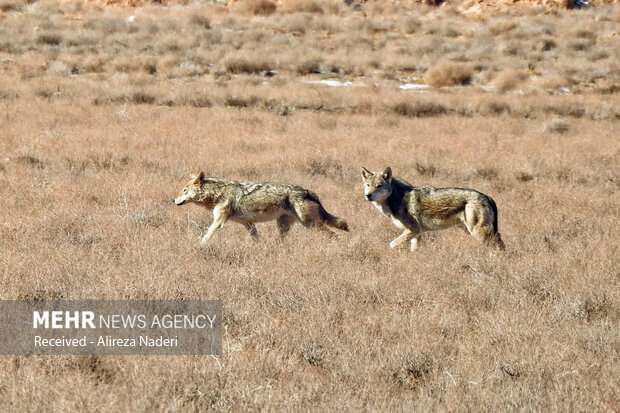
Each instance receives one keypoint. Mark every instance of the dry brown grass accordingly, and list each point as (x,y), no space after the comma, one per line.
(103,119)
(448,74)
(255,7)
(510,79)
(309,6)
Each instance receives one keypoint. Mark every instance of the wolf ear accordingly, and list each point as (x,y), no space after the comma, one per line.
(366,174)
(387,174)
(200,178)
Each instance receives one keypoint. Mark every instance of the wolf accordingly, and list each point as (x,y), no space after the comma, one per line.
(419,209)
(248,203)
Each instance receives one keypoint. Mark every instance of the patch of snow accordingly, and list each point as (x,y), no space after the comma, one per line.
(414,86)
(487,88)
(331,82)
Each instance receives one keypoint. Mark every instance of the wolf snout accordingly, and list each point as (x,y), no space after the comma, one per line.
(368,197)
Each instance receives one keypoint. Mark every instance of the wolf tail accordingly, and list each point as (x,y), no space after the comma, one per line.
(333,221)
(499,244)
(328,218)
(494,209)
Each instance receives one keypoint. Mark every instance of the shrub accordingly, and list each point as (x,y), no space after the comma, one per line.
(7,6)
(140,98)
(495,108)
(566,109)
(449,74)
(240,102)
(308,65)
(201,21)
(502,26)
(51,39)
(235,64)
(509,79)
(308,6)
(419,109)
(413,370)
(556,126)
(256,7)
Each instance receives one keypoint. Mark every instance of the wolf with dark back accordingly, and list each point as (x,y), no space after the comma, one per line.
(249,203)
(420,209)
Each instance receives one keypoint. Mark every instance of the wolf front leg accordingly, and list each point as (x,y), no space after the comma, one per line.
(219,219)
(404,237)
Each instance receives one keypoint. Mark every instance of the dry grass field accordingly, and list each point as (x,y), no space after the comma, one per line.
(105,111)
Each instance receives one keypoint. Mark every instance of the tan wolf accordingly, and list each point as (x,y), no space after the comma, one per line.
(419,209)
(249,203)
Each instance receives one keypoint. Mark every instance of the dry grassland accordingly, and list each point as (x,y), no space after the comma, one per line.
(103,117)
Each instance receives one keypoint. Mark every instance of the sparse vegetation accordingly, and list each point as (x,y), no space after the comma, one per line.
(556,126)
(104,116)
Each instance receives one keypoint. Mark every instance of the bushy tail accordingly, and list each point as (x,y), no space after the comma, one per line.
(494,209)
(327,218)
(499,244)
(333,221)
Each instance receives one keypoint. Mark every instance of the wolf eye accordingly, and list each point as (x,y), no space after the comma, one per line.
(185,191)
(379,186)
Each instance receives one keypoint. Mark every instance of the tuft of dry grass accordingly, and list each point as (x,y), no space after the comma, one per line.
(448,74)
(556,126)
(510,79)
(420,108)
(246,64)
(255,7)
(307,6)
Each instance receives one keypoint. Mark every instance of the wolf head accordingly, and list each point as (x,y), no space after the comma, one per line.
(191,192)
(377,185)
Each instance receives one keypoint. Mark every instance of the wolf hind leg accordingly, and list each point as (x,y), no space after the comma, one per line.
(252,230)
(497,242)
(310,215)
(487,236)
(285,222)
(480,226)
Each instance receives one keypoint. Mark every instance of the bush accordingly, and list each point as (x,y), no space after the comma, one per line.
(509,79)
(201,21)
(556,126)
(51,39)
(255,7)
(419,109)
(449,74)
(235,64)
(308,6)
(308,66)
